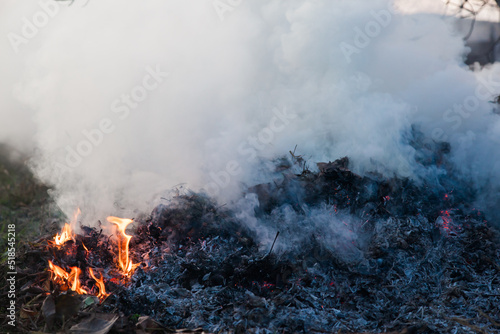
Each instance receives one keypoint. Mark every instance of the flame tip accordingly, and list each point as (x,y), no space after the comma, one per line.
(124,262)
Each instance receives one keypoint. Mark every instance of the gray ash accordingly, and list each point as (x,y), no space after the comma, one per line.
(409,257)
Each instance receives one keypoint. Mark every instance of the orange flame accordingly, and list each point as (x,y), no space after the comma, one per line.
(124,262)
(59,275)
(100,285)
(72,279)
(66,233)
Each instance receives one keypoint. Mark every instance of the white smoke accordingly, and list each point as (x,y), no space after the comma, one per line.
(127,99)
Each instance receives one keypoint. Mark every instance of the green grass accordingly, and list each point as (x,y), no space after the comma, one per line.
(23,201)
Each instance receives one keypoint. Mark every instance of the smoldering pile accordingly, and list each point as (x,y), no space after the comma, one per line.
(424,260)
(352,254)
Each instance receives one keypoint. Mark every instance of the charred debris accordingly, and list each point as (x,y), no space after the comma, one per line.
(394,256)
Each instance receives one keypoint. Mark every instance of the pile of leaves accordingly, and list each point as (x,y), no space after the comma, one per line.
(419,259)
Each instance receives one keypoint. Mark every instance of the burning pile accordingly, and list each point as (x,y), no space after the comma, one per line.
(69,247)
(368,254)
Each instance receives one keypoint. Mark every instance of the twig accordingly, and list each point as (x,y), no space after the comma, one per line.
(220,206)
(465,322)
(493,322)
(276,237)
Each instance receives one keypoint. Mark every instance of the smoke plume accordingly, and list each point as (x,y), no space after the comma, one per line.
(123,101)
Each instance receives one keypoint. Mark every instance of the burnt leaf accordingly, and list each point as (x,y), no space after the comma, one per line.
(49,310)
(68,305)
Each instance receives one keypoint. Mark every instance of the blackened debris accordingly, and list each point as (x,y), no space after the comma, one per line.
(423,260)
(429,263)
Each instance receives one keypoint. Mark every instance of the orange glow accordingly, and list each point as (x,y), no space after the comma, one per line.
(74,281)
(66,233)
(100,285)
(124,262)
(59,275)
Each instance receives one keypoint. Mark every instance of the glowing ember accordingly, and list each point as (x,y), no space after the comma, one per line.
(100,285)
(447,225)
(124,262)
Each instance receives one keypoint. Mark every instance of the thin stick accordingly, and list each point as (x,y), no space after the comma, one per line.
(276,237)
